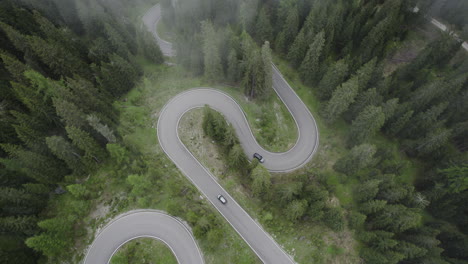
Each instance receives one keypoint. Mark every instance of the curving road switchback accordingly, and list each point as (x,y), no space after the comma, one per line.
(266,248)
(144,223)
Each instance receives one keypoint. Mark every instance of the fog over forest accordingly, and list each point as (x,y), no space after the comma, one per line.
(385,178)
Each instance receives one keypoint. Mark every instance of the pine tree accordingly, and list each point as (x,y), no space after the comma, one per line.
(433,141)
(389,108)
(101,128)
(28,129)
(268,71)
(15,67)
(366,124)
(366,98)
(247,14)
(90,98)
(425,121)
(358,158)
(58,58)
(66,152)
(34,101)
(263,28)
(261,181)
(372,206)
(395,127)
(296,209)
(211,51)
(397,218)
(233,71)
(253,67)
(410,250)
(237,158)
(365,73)
(117,76)
(288,191)
(334,219)
(85,142)
(289,30)
(309,69)
(40,167)
(367,190)
(71,115)
(342,97)
(116,41)
(298,49)
(20,224)
(334,76)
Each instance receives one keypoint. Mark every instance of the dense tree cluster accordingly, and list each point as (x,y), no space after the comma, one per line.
(62,64)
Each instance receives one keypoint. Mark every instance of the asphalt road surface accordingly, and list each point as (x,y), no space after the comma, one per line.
(151,19)
(144,223)
(261,242)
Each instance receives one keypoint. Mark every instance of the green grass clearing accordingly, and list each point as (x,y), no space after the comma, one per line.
(144,250)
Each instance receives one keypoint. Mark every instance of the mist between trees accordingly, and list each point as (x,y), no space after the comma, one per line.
(65,63)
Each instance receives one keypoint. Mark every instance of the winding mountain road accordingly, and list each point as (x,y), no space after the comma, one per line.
(144,223)
(266,248)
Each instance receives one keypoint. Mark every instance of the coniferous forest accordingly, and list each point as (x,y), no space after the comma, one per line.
(64,64)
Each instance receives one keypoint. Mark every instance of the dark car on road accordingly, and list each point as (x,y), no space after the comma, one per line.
(222,199)
(259,157)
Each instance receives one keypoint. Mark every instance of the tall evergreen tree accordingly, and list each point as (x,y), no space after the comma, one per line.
(261,180)
(358,158)
(309,70)
(334,76)
(263,27)
(211,51)
(66,152)
(342,97)
(85,142)
(298,49)
(366,124)
(289,29)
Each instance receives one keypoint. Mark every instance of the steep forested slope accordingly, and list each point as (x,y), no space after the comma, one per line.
(62,64)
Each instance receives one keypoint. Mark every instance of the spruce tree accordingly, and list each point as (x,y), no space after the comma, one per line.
(85,142)
(71,115)
(267,71)
(296,209)
(261,180)
(298,49)
(309,69)
(117,76)
(366,124)
(334,76)
(66,152)
(233,71)
(263,27)
(395,127)
(40,167)
(211,51)
(341,98)
(364,99)
(237,158)
(358,158)
(365,73)
(289,30)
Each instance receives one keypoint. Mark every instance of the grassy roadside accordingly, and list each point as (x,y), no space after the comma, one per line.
(144,250)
